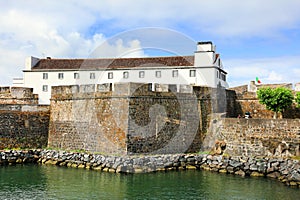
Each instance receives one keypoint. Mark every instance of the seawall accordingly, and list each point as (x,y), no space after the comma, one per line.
(257,137)
(132,118)
(23,123)
(25,126)
(285,170)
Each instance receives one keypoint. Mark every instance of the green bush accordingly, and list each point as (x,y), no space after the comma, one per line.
(275,99)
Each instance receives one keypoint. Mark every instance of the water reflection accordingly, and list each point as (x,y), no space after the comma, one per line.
(50,182)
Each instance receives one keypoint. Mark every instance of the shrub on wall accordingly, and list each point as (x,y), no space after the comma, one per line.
(298,99)
(275,99)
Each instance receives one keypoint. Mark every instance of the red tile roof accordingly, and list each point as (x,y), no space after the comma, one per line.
(113,63)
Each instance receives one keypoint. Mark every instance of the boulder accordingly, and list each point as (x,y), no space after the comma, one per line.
(219,148)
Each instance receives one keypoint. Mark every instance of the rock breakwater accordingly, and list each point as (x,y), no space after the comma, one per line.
(285,170)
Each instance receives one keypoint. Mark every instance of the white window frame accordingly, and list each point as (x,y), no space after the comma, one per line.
(175,73)
(45,88)
(76,75)
(126,75)
(192,73)
(110,75)
(45,76)
(60,76)
(92,75)
(158,74)
(141,74)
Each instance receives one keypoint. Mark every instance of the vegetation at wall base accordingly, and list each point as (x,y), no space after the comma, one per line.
(275,99)
(297,99)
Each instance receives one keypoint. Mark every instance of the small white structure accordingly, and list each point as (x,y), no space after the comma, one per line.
(204,68)
(297,87)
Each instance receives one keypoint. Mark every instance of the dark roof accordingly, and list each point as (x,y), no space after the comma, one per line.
(113,63)
(205,42)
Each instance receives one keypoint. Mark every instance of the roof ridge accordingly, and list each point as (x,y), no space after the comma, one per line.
(115,58)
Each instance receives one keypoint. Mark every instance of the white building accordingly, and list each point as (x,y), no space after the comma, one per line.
(297,87)
(204,68)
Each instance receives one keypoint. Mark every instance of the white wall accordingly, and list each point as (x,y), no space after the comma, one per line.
(204,77)
(205,64)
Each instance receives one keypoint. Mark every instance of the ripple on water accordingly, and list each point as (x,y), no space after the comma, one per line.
(50,182)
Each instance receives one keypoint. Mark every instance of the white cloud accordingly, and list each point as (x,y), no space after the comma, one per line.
(75,28)
(274,77)
(226,17)
(268,70)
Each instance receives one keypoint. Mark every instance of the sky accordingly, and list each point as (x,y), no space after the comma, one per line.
(255,38)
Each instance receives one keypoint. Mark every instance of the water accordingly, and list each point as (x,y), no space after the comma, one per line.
(51,182)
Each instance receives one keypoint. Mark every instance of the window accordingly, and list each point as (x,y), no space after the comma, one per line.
(192,73)
(45,75)
(45,88)
(158,74)
(223,76)
(60,75)
(110,75)
(217,74)
(141,74)
(125,74)
(175,73)
(76,75)
(92,76)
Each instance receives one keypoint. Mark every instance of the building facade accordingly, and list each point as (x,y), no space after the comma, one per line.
(204,68)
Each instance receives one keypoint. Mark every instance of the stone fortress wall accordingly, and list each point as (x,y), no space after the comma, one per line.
(135,119)
(141,118)
(23,123)
(258,137)
(247,100)
(131,118)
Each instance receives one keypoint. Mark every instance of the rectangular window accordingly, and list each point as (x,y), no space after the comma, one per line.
(76,75)
(193,73)
(45,75)
(158,74)
(60,75)
(45,88)
(125,75)
(92,76)
(175,73)
(141,74)
(217,74)
(110,75)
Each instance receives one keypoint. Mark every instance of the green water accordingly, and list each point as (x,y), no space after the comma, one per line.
(50,182)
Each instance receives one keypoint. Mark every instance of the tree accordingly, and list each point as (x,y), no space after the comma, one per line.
(298,99)
(276,99)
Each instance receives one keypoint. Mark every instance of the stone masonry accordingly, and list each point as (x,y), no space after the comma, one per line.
(23,123)
(258,137)
(131,118)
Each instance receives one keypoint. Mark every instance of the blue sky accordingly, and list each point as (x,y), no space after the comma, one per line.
(254,37)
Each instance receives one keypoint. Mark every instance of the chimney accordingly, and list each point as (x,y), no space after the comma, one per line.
(31,62)
(205,54)
(206,46)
